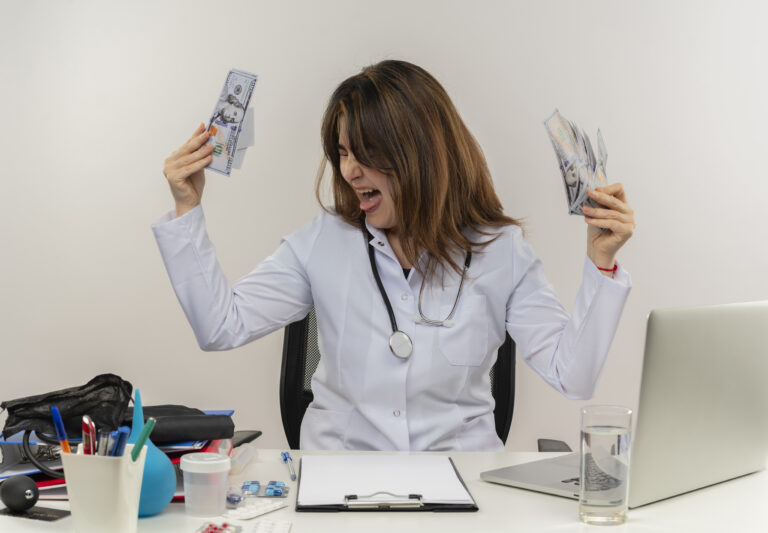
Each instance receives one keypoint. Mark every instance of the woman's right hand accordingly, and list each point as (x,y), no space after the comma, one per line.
(184,170)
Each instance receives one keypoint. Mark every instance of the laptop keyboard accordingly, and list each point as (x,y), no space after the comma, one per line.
(598,479)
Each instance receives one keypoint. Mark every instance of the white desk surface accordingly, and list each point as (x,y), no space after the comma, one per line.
(736,506)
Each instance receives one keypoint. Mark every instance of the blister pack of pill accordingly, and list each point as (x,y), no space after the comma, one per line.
(273,489)
(260,526)
(210,527)
(253,507)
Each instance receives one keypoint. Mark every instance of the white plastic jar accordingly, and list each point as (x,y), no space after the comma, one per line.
(205,483)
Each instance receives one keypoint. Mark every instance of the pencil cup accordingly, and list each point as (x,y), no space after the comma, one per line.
(104,491)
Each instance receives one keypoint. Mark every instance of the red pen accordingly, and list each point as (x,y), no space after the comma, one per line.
(90,446)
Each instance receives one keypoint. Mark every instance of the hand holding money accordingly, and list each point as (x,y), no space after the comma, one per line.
(610,218)
(184,170)
(611,224)
(229,119)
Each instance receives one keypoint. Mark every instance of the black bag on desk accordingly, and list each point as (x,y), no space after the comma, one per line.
(104,399)
(178,423)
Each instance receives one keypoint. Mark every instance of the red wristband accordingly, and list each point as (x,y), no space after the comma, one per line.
(614,269)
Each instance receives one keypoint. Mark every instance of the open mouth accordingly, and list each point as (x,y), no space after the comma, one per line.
(369,199)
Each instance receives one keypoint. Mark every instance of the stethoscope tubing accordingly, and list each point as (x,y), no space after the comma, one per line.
(400,343)
(375,270)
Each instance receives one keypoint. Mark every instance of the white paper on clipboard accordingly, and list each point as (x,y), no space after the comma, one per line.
(328,479)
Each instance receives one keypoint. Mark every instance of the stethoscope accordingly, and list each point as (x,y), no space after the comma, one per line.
(399,342)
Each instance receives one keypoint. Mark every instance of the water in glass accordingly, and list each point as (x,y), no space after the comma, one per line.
(604,474)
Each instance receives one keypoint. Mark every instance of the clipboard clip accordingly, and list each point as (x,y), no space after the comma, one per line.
(375,501)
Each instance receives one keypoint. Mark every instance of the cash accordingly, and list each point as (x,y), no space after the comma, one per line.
(229,114)
(580,168)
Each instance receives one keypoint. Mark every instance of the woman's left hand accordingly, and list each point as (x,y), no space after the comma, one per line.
(615,216)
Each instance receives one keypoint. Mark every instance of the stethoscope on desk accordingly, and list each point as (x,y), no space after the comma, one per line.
(399,342)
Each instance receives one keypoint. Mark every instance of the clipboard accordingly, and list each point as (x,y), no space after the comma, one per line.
(381,482)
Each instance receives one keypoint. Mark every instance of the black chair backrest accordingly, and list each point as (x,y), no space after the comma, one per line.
(301,356)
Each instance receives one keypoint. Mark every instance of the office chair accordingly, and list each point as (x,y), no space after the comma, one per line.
(301,356)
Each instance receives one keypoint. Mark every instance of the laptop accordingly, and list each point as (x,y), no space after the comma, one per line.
(702,417)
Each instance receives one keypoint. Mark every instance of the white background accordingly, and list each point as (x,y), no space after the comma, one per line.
(95,95)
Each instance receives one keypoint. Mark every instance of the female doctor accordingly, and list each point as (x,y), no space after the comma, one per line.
(415,274)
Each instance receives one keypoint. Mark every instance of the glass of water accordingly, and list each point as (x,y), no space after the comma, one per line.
(604,478)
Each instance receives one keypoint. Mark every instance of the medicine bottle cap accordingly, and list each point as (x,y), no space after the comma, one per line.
(205,463)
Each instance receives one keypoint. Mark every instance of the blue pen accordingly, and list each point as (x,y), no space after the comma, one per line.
(288,460)
(61,433)
(121,439)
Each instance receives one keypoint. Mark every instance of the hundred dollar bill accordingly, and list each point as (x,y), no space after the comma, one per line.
(580,168)
(227,119)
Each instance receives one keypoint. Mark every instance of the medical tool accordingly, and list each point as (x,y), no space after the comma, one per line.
(399,342)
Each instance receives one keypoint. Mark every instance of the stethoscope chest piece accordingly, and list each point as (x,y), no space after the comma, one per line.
(400,344)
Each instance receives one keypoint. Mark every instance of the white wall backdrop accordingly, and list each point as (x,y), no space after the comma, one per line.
(95,95)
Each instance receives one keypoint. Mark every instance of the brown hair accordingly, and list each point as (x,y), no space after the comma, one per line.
(401,121)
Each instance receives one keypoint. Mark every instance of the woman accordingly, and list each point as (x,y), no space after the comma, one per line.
(415,213)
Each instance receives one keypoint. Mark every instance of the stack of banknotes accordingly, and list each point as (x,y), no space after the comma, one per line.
(231,122)
(580,169)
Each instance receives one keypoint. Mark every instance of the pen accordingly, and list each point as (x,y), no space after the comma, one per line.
(61,433)
(89,436)
(143,436)
(103,448)
(120,439)
(288,460)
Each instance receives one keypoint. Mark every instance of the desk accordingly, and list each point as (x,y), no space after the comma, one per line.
(738,506)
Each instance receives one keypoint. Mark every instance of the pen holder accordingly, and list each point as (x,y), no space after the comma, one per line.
(104,491)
